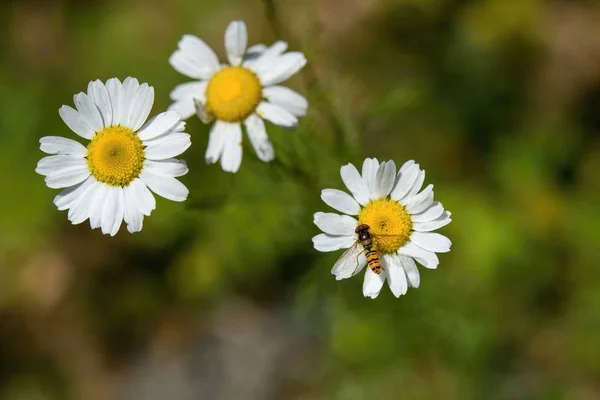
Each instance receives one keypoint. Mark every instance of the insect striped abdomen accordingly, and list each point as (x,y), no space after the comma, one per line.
(373,259)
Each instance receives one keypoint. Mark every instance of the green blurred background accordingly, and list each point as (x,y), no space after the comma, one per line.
(223,296)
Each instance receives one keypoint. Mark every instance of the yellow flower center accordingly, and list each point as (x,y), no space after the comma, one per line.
(233,94)
(389,223)
(115,156)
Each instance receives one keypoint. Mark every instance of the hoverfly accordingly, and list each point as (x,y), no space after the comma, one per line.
(363,247)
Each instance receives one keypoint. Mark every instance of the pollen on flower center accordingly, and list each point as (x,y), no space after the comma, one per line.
(115,156)
(389,223)
(233,94)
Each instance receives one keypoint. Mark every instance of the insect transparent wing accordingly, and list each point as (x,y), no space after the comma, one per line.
(350,263)
(202,113)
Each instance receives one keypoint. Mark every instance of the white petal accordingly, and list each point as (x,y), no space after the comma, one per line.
(113,86)
(65,199)
(167,136)
(182,64)
(355,183)
(63,146)
(431,213)
(169,188)
(324,242)
(97,204)
(132,215)
(88,110)
(406,165)
(427,258)
(143,198)
(141,104)
(58,164)
(405,183)
(277,115)
(369,174)
(257,134)
(429,226)
(169,167)
(282,68)
(386,175)
(172,145)
(112,214)
(236,40)
(255,50)
(216,142)
(419,202)
(411,271)
(126,94)
(232,148)
(266,57)
(99,95)
(418,184)
(335,224)
(180,127)
(81,206)
(184,107)
(431,241)
(76,122)
(191,90)
(350,263)
(340,201)
(67,177)
(395,274)
(287,98)
(194,58)
(119,211)
(373,283)
(185,96)
(159,125)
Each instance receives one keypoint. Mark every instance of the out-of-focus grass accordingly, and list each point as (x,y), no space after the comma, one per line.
(497,100)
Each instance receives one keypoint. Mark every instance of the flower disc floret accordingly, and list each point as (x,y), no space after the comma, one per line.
(115,156)
(388,222)
(233,94)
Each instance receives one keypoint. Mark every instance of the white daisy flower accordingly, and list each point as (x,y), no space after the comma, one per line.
(400,221)
(108,180)
(242,92)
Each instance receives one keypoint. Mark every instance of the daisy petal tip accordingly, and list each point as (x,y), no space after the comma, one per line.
(131,80)
(186,37)
(316,216)
(113,81)
(301,59)
(173,57)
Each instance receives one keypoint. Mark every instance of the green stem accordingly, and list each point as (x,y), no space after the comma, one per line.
(311,77)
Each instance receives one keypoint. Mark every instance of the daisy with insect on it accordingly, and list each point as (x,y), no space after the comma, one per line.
(388,224)
(109,180)
(243,92)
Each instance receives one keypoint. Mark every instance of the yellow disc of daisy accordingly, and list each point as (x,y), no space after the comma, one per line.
(233,94)
(115,156)
(389,223)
